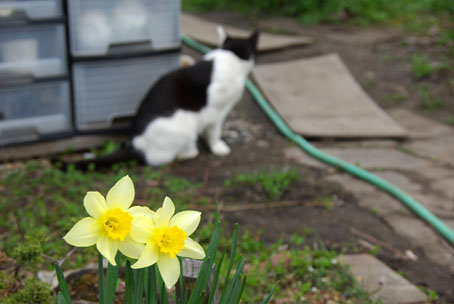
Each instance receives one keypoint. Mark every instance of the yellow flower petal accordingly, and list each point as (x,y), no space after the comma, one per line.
(148,257)
(95,204)
(140,210)
(164,213)
(186,221)
(142,229)
(131,248)
(121,195)
(192,250)
(84,233)
(169,269)
(108,248)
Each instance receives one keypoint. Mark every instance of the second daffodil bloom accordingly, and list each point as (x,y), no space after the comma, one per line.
(109,224)
(166,236)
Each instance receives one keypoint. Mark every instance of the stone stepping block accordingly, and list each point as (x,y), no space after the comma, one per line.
(318,97)
(380,281)
(206,33)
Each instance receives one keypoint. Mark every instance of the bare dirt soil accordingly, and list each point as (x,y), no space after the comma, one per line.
(380,61)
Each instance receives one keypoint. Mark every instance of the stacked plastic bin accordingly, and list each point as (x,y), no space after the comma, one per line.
(34,86)
(118,48)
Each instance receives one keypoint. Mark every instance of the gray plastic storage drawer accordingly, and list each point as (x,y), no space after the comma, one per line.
(108,91)
(32,111)
(100,27)
(26,10)
(32,52)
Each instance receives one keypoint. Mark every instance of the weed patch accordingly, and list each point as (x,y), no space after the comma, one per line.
(421,67)
(274,183)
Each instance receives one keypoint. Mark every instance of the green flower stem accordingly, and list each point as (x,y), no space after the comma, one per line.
(100,279)
(111,281)
(150,291)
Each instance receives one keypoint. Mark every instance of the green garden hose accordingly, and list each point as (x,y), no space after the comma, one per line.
(373,179)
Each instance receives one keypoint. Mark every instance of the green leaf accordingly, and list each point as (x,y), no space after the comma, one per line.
(164,297)
(138,284)
(129,283)
(60,298)
(214,284)
(238,295)
(232,256)
(111,281)
(100,279)
(268,297)
(151,291)
(207,265)
(62,284)
(234,286)
(181,283)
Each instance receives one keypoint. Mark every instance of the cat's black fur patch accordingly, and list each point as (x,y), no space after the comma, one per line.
(185,89)
(243,48)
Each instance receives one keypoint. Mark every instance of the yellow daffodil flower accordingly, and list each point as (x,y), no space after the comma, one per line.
(166,236)
(109,224)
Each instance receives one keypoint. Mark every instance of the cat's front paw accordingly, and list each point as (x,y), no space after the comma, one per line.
(220,148)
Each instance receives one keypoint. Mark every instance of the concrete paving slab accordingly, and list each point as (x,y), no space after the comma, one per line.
(415,230)
(380,281)
(299,156)
(318,97)
(400,180)
(205,32)
(435,172)
(438,205)
(369,196)
(445,187)
(76,143)
(352,184)
(379,158)
(439,148)
(418,126)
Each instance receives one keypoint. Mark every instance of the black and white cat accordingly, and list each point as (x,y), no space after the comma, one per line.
(187,103)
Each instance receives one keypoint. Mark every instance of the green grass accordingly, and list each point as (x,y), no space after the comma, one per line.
(427,99)
(421,67)
(273,183)
(395,98)
(314,11)
(449,119)
(302,272)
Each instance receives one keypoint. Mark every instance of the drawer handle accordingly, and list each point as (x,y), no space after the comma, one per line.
(134,45)
(17,16)
(10,79)
(2,116)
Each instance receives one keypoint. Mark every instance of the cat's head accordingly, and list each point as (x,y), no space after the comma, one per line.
(243,48)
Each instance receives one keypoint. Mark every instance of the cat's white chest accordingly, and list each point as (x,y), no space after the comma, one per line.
(226,86)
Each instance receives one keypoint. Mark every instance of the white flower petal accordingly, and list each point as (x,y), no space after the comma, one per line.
(148,257)
(108,248)
(142,229)
(121,195)
(164,214)
(192,250)
(141,210)
(131,248)
(188,221)
(95,204)
(169,269)
(84,233)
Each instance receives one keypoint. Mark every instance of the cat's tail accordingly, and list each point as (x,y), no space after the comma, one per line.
(124,154)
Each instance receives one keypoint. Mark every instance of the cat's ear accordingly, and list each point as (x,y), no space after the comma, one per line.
(222,35)
(254,38)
